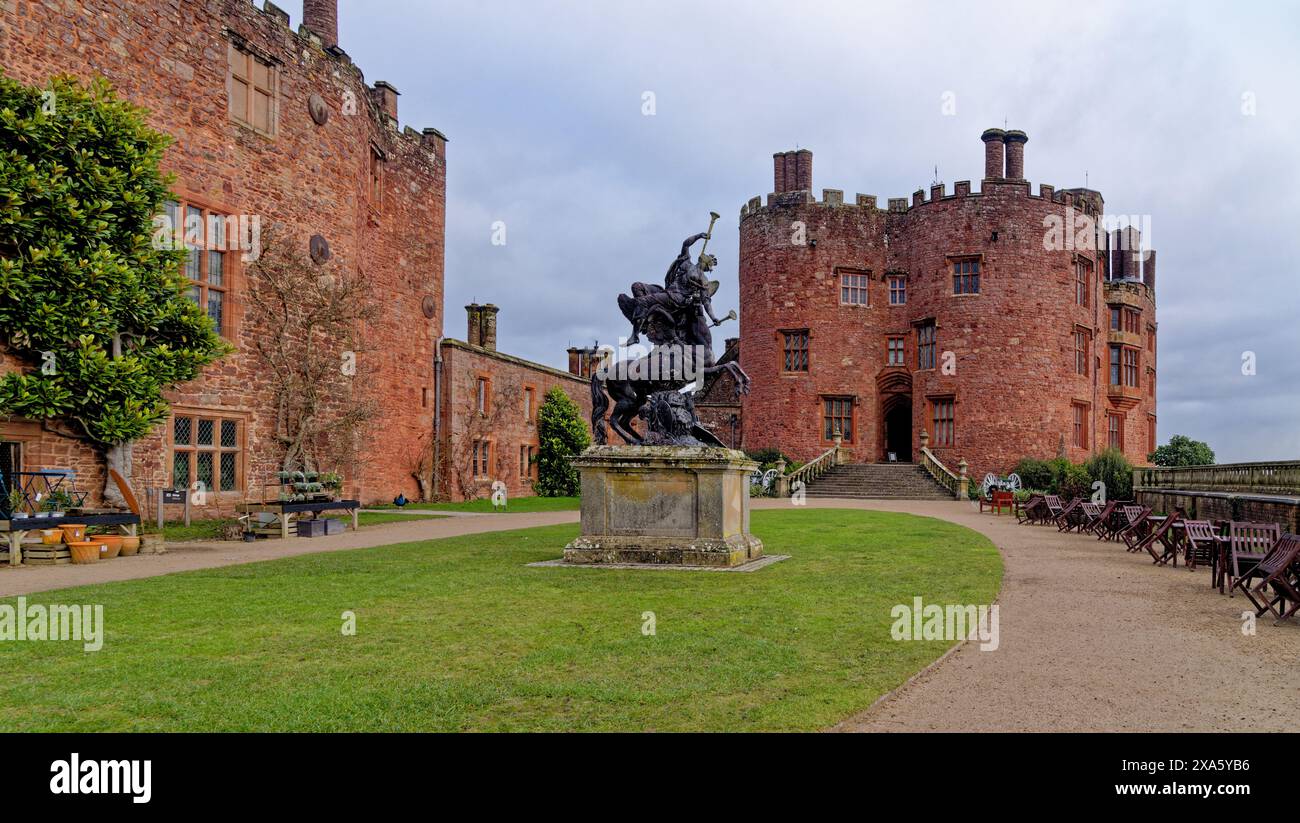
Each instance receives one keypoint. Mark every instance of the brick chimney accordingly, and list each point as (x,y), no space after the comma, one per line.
(575,364)
(792,171)
(1016,141)
(322,17)
(474,333)
(488,336)
(1149,269)
(993,164)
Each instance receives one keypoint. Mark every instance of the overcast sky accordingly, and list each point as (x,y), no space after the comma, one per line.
(543,101)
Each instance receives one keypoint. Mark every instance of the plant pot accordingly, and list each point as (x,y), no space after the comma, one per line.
(58,514)
(73,532)
(110,545)
(84,551)
(250,537)
(130,545)
(19,515)
(51,537)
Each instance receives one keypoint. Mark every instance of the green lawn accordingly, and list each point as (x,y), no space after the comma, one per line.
(516,505)
(177,531)
(459,634)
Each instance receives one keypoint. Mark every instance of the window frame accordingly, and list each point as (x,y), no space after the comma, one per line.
(854,282)
(901,339)
(944,431)
(1115,430)
(834,407)
(1083,272)
(897,287)
(272,91)
(926,346)
(483,394)
(1082,350)
(1079,434)
(966,274)
(211,214)
(193,448)
(803,335)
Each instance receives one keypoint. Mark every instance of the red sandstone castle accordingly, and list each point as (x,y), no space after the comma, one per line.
(279,124)
(1002,323)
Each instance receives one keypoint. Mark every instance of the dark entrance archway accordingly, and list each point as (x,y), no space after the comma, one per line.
(898,429)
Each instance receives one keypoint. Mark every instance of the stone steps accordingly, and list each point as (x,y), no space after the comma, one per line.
(879,481)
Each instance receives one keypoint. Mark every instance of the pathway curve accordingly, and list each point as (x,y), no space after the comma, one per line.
(1095,639)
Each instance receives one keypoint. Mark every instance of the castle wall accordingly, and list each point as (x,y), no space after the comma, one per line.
(1005,356)
(311,178)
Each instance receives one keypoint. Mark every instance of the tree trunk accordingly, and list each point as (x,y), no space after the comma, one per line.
(117,457)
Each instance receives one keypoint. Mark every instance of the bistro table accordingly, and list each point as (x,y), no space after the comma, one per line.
(1173,540)
(285,513)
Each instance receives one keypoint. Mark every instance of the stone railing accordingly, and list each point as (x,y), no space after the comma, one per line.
(958,484)
(809,471)
(1282,477)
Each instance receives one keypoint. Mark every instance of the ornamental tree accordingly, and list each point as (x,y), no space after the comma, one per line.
(93,310)
(562,434)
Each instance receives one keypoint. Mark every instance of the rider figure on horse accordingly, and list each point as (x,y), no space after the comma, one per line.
(686,291)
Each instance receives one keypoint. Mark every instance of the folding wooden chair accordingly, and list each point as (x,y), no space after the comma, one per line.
(1138,527)
(1277,570)
(1099,520)
(1159,542)
(1202,544)
(1028,511)
(1248,544)
(1054,507)
(1087,514)
(1120,519)
(1064,520)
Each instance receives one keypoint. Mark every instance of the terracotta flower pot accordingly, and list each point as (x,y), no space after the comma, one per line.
(84,551)
(130,545)
(110,545)
(73,532)
(51,537)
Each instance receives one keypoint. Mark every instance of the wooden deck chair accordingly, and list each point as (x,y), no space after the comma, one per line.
(1029,511)
(1159,541)
(1098,520)
(1088,512)
(1054,507)
(1138,527)
(1248,544)
(1064,519)
(1202,544)
(1276,570)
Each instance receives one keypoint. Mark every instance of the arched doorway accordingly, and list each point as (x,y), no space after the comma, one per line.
(898,429)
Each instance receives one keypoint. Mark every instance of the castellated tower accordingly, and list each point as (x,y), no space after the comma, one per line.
(1002,322)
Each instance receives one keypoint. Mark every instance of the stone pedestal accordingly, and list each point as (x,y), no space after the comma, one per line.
(679,505)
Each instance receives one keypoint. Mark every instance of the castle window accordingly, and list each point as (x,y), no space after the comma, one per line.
(1082,279)
(528,403)
(203,233)
(1132,321)
(1151,433)
(1115,430)
(1130,367)
(207,450)
(944,434)
(526,455)
(251,84)
(1115,319)
(896,352)
(1082,343)
(837,418)
(1151,381)
(1151,339)
(1115,368)
(897,290)
(482,449)
(795,350)
(853,288)
(925,345)
(483,395)
(1080,436)
(966,277)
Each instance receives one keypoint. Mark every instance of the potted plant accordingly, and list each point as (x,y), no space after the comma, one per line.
(57,503)
(16,500)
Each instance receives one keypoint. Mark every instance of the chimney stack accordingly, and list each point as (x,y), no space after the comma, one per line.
(792,171)
(385,95)
(488,335)
(322,17)
(474,314)
(993,153)
(1016,141)
(1149,269)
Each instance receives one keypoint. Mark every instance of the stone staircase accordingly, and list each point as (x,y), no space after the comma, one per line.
(897,481)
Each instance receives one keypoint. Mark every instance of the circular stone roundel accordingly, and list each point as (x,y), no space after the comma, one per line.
(317,109)
(319,249)
(428,307)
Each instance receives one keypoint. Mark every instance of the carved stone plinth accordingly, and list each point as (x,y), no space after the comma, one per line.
(682,505)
